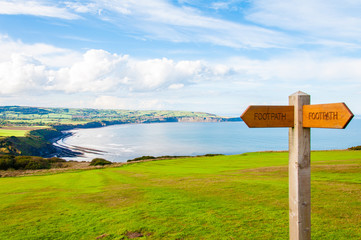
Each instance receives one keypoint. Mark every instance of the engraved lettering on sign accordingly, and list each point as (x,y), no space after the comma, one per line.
(270,116)
(323,115)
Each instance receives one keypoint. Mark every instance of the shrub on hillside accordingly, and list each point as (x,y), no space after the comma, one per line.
(6,162)
(47,133)
(29,162)
(99,161)
(56,160)
(212,155)
(355,148)
(141,158)
(37,163)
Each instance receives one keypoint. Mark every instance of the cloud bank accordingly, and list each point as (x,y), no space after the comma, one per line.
(100,72)
(273,48)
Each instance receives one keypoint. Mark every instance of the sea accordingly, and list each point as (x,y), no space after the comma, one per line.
(119,143)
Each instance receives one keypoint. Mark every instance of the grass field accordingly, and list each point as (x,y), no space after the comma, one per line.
(224,197)
(13,132)
(18,131)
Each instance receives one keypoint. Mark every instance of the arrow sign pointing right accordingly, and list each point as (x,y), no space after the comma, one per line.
(333,115)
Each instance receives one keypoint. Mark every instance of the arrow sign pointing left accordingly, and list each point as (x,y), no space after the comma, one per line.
(269,116)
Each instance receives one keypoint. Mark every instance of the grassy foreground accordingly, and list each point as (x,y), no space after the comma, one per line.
(224,197)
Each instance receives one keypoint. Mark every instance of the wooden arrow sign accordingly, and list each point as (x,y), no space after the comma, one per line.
(268,116)
(334,115)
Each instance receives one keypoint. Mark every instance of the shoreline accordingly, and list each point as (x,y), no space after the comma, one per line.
(61,150)
(79,153)
(65,150)
(68,151)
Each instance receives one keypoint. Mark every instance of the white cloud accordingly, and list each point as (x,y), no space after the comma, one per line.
(227,5)
(328,19)
(35,8)
(159,19)
(239,82)
(220,5)
(82,8)
(45,53)
(98,71)
(95,71)
(120,81)
(112,102)
(21,74)
(150,74)
(306,68)
(153,74)
(261,24)
(176,86)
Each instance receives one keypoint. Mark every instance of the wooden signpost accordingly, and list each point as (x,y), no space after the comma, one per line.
(299,116)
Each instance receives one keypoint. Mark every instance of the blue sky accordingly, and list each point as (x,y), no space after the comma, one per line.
(211,56)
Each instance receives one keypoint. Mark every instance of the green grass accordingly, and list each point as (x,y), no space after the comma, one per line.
(15,133)
(28,116)
(224,197)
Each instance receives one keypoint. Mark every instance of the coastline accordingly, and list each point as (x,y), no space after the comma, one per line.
(61,150)
(44,138)
(193,139)
(67,151)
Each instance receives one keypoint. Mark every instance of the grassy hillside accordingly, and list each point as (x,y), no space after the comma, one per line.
(35,143)
(35,116)
(223,197)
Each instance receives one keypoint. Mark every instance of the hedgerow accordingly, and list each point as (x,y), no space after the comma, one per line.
(27,162)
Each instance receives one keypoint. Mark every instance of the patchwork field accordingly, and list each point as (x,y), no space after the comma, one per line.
(224,197)
(17,131)
(35,116)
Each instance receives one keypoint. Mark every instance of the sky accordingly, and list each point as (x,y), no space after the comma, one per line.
(194,55)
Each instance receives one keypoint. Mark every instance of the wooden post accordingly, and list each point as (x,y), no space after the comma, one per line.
(299,172)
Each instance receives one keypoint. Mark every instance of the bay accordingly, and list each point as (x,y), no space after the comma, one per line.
(120,143)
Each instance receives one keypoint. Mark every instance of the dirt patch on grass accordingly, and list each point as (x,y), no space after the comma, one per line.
(132,235)
(338,168)
(283,170)
(263,171)
(102,236)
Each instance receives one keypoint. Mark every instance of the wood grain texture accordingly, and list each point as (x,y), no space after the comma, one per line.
(299,172)
(333,115)
(268,116)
